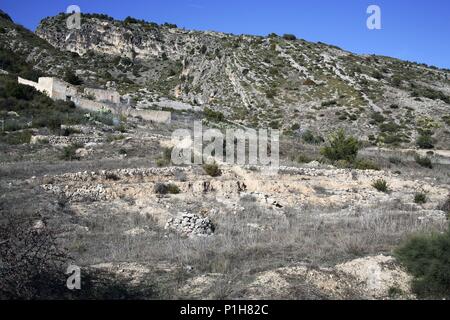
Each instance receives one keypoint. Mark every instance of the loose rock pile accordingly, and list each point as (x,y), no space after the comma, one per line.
(189,224)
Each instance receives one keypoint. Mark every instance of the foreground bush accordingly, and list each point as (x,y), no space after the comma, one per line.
(420,198)
(163,188)
(212,169)
(381,185)
(424,162)
(69,153)
(309,137)
(427,258)
(425,142)
(341,147)
(212,115)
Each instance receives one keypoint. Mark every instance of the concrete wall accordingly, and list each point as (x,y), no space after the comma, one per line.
(103,95)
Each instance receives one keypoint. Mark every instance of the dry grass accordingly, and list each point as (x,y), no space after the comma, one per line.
(319,237)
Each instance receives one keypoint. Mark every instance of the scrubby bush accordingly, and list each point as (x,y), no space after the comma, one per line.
(395,160)
(212,169)
(16,138)
(69,152)
(212,115)
(381,185)
(446,207)
(271,93)
(72,78)
(424,162)
(427,258)
(163,188)
(341,147)
(309,137)
(425,141)
(165,158)
(420,198)
(289,37)
(302,158)
(18,91)
(377,117)
(365,164)
(328,103)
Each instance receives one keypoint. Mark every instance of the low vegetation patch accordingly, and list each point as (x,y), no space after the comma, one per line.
(212,169)
(341,147)
(69,152)
(427,258)
(163,188)
(420,198)
(425,141)
(212,115)
(165,158)
(311,138)
(424,162)
(381,185)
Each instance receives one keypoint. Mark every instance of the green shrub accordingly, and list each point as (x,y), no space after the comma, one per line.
(19,91)
(424,162)
(212,169)
(69,152)
(289,37)
(446,119)
(381,185)
(420,198)
(446,207)
(377,75)
(391,127)
(341,147)
(213,115)
(395,160)
(163,188)
(271,93)
(72,78)
(425,142)
(309,137)
(165,158)
(427,258)
(377,117)
(301,158)
(365,164)
(18,137)
(328,103)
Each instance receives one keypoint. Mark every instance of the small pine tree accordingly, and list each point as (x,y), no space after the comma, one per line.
(341,147)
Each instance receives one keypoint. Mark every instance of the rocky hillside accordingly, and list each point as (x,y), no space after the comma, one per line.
(276,81)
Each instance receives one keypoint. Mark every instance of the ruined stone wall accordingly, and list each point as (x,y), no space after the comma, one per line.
(61,89)
(90,105)
(150,115)
(54,88)
(103,95)
(42,86)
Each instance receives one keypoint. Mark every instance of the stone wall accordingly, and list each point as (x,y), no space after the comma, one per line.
(54,88)
(103,95)
(61,90)
(90,104)
(151,115)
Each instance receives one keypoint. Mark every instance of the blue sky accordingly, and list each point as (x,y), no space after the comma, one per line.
(416,30)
